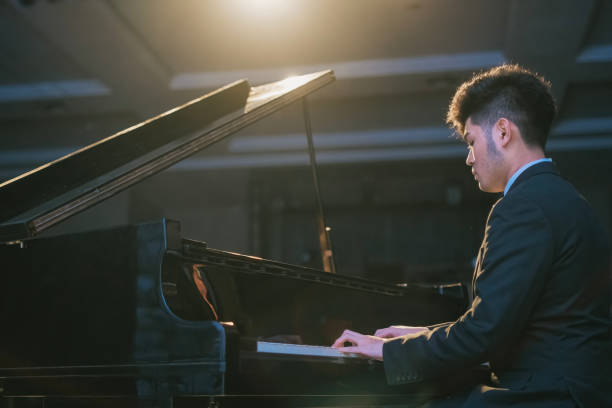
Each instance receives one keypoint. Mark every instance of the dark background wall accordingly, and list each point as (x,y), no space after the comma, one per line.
(401,203)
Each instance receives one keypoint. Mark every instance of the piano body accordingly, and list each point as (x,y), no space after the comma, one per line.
(140,316)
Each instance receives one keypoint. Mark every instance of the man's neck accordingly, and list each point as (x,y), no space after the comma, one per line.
(525,157)
(521,169)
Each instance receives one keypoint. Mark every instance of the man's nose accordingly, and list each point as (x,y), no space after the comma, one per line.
(469,160)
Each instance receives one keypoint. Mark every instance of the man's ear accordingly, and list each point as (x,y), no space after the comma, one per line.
(504,128)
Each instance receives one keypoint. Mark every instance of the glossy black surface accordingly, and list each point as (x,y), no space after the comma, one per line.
(70,176)
(115,314)
(56,191)
(84,314)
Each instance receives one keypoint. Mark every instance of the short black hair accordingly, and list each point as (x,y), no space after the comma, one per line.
(509,91)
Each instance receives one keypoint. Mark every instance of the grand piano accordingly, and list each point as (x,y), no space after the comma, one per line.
(139,315)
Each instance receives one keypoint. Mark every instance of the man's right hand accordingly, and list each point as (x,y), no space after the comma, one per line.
(397,331)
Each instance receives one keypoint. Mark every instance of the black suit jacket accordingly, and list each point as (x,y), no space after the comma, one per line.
(541,308)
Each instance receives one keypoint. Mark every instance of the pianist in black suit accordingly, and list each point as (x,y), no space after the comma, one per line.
(541,309)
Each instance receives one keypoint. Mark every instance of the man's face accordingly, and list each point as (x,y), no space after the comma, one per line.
(484,158)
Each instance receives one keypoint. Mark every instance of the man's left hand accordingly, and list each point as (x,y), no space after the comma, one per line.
(368,346)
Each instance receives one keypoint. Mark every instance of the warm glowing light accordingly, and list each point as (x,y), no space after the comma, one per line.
(263,8)
(277,88)
(294,81)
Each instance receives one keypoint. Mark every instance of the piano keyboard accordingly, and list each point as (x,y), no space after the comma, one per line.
(302,350)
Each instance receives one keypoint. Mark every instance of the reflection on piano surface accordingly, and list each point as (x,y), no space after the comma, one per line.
(133,315)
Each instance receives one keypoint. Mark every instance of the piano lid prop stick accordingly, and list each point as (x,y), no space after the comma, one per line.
(327,255)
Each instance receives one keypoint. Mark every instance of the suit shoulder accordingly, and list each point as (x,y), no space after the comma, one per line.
(546,190)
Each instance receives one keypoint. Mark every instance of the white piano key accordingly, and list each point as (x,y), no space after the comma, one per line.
(302,350)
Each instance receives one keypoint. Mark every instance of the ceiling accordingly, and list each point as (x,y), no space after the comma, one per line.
(75,71)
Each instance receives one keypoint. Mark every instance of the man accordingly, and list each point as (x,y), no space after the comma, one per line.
(540,314)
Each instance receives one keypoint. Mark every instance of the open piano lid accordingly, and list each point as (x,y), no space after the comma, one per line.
(53,192)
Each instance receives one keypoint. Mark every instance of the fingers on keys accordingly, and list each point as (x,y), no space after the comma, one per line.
(348,336)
